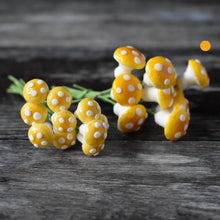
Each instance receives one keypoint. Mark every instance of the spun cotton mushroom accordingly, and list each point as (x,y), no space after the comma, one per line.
(33,113)
(195,74)
(160,73)
(164,97)
(128,58)
(130,118)
(35,91)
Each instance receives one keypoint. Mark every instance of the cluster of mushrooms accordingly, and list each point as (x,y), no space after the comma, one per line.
(62,133)
(160,84)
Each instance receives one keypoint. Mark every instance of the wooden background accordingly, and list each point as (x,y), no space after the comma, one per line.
(137,176)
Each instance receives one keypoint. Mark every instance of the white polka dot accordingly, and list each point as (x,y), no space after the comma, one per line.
(43,90)
(60,129)
(30,85)
(140,86)
(71,119)
(60,94)
(137,60)
(171,103)
(97,125)
(185,127)
(73,142)
(166,82)
(26,121)
(105,125)
(92,151)
(127,77)
(183,107)
(89,113)
(140,121)
(64,147)
(158,66)
(69,129)
(39,135)
(138,111)
(129,125)
(33,123)
(44,143)
(40,82)
(124,52)
(118,90)
(131,100)
(98,107)
(105,135)
(80,109)
(131,88)
(62,107)
(61,120)
(68,99)
(27,112)
(31,137)
(177,135)
(169,70)
(97,134)
(55,102)
(203,72)
(168,60)
(35,145)
(90,103)
(188,111)
(37,116)
(61,140)
(97,116)
(34,93)
(96,154)
(167,91)
(198,61)
(135,53)
(182,118)
(103,146)
(69,136)
(172,89)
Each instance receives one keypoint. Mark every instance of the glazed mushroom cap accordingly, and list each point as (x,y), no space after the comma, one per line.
(93,133)
(127,89)
(40,135)
(92,150)
(131,118)
(59,98)
(64,140)
(35,91)
(160,73)
(87,110)
(164,97)
(130,57)
(33,113)
(64,121)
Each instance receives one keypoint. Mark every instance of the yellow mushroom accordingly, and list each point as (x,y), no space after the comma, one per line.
(90,150)
(59,98)
(33,113)
(105,121)
(35,91)
(40,135)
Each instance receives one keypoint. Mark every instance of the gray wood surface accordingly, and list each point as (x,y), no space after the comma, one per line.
(137,176)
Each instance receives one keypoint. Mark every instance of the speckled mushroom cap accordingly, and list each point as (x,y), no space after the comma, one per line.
(127,89)
(64,121)
(35,91)
(176,125)
(87,110)
(92,150)
(40,135)
(64,140)
(166,97)
(199,72)
(33,113)
(59,98)
(95,133)
(132,119)
(130,57)
(160,72)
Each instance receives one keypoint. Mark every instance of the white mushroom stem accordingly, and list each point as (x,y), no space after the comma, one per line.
(150,94)
(147,81)
(161,117)
(80,135)
(119,109)
(121,69)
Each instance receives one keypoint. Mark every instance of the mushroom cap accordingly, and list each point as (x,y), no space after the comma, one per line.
(127,89)
(64,121)
(40,135)
(199,72)
(166,97)
(90,150)
(105,121)
(95,133)
(64,140)
(87,110)
(33,113)
(177,124)
(132,119)
(35,91)
(161,72)
(59,98)
(130,57)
